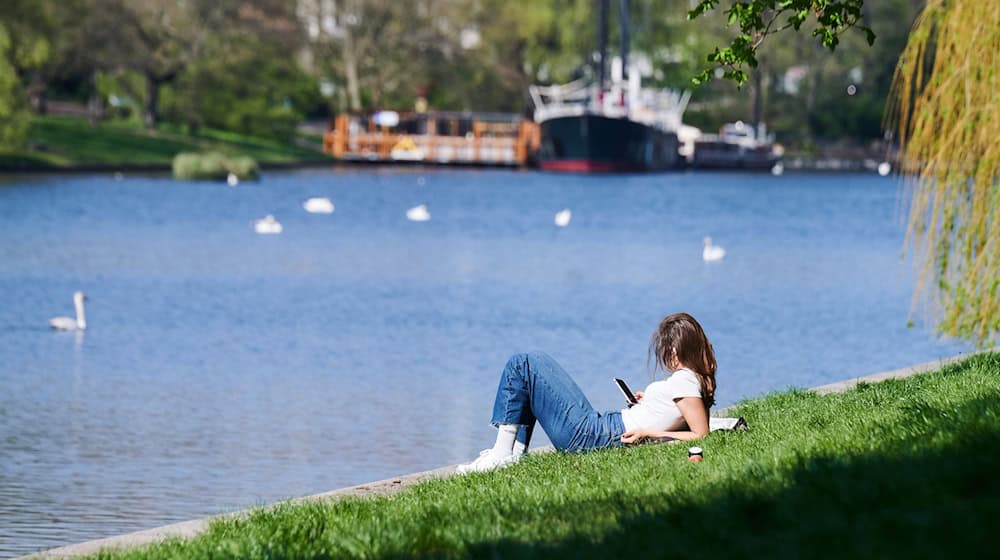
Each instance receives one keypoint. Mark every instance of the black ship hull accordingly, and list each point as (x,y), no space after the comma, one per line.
(595,143)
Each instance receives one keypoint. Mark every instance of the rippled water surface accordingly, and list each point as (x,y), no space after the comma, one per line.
(223,368)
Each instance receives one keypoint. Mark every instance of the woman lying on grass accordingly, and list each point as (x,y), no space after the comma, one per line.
(534,387)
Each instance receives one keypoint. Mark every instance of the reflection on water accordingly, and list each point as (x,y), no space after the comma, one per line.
(223,369)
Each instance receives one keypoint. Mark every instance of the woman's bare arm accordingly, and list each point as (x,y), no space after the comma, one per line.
(693,411)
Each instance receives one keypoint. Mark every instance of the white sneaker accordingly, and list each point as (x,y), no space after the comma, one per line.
(488,461)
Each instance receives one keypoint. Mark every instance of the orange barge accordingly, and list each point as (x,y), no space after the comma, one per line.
(445,138)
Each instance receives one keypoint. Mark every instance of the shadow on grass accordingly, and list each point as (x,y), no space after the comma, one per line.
(24,160)
(910,501)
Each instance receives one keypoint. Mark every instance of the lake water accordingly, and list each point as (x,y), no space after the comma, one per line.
(223,369)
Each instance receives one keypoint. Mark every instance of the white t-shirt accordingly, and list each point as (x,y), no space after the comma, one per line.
(657,409)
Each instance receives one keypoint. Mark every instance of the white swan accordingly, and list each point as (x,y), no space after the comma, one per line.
(232,180)
(267,224)
(68,323)
(712,252)
(563,217)
(418,214)
(319,205)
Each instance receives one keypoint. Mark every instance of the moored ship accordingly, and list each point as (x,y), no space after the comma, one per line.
(609,126)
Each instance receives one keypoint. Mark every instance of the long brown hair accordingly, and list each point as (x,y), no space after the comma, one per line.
(682,334)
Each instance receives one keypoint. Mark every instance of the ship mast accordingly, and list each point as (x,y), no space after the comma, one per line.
(623,24)
(602,46)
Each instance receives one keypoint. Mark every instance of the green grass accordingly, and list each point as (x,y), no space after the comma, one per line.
(70,141)
(904,468)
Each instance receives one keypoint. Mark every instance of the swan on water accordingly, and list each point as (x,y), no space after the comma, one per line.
(232,180)
(68,323)
(267,224)
(778,169)
(418,214)
(563,217)
(884,168)
(318,205)
(712,252)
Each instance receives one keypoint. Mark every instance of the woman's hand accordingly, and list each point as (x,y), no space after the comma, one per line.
(638,399)
(634,436)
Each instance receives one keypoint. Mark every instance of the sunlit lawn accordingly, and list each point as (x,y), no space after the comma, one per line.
(67,141)
(904,469)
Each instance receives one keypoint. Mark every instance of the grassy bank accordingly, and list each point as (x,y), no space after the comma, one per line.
(67,142)
(904,468)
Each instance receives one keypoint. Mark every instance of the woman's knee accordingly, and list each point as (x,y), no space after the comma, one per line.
(543,364)
(516,361)
(524,363)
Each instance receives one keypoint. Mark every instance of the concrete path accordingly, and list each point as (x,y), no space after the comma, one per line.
(188,529)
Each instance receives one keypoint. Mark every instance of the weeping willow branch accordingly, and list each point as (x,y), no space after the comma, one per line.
(945,108)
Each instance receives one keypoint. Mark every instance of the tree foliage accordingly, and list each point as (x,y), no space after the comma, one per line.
(244,76)
(946,113)
(13,116)
(24,46)
(759,19)
(257,65)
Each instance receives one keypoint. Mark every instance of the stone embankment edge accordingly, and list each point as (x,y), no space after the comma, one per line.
(188,529)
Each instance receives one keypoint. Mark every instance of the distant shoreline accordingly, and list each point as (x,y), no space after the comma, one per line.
(795,164)
(69,145)
(92,168)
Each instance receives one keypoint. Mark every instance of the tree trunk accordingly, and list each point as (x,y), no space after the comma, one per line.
(351,71)
(38,93)
(758,101)
(94,103)
(814,87)
(351,61)
(150,115)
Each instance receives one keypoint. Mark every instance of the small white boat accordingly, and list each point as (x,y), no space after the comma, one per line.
(736,146)
(563,217)
(319,205)
(418,214)
(712,252)
(68,323)
(232,180)
(267,225)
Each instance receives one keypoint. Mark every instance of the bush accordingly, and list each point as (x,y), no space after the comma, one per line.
(213,166)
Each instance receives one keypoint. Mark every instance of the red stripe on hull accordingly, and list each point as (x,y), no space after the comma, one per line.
(587,166)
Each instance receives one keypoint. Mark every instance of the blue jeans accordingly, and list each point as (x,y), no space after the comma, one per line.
(534,387)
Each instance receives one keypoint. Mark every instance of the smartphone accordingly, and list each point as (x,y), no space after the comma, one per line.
(629,396)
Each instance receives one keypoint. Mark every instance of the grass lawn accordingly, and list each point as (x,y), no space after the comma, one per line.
(904,468)
(71,141)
